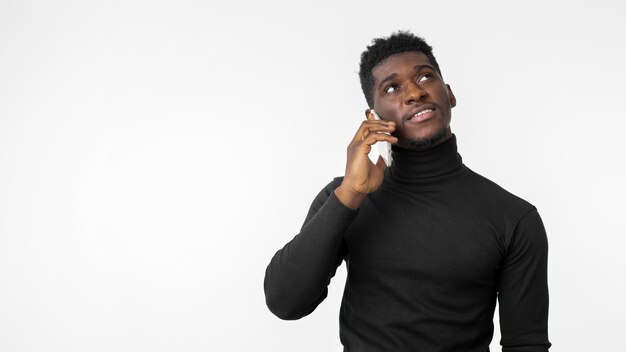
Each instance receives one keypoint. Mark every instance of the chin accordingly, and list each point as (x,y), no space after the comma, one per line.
(429,140)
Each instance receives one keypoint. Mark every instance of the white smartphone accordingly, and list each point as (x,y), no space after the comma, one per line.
(382,148)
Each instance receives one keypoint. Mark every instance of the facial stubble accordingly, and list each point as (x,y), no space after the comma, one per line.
(428,142)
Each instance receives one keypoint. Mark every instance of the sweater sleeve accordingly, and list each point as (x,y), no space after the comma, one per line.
(298,275)
(523,288)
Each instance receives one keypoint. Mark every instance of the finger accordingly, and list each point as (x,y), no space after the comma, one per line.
(379,137)
(372,126)
(365,146)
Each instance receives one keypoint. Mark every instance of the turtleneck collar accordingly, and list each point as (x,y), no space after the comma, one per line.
(426,166)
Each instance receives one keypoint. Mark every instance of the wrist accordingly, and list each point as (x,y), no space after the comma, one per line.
(349,198)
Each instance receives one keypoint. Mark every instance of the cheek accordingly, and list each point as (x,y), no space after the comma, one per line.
(384,113)
(390,111)
(445,97)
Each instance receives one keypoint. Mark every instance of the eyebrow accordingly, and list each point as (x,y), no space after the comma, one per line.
(394,75)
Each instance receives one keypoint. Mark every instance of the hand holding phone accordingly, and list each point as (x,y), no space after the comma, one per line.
(382,148)
(363,175)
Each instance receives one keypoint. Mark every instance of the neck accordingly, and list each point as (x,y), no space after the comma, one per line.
(425,165)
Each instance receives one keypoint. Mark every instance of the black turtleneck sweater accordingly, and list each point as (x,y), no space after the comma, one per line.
(427,255)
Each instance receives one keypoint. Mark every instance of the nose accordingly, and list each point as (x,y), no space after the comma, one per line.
(413,93)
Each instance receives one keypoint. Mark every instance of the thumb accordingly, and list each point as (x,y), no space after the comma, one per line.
(380,164)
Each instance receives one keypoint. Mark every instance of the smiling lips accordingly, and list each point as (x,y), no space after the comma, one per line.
(422,115)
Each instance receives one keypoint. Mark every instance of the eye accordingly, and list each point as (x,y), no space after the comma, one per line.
(424,77)
(391,88)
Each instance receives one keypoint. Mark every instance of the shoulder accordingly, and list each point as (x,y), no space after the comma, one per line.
(496,199)
(509,215)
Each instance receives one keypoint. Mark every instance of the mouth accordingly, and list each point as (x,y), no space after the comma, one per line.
(422,113)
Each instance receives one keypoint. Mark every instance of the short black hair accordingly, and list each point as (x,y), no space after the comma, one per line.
(382,48)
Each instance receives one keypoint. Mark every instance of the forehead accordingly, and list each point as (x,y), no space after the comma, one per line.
(399,63)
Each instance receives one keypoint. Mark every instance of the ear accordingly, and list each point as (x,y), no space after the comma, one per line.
(451,96)
(369,115)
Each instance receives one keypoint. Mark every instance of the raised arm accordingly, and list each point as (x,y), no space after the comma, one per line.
(523,288)
(298,275)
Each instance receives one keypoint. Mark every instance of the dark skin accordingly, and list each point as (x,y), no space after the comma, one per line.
(414,104)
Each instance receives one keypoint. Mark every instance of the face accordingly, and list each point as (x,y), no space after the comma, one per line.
(409,90)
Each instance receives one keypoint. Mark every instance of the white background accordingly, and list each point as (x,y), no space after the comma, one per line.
(155,154)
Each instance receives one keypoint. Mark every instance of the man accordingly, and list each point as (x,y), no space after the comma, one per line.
(429,244)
